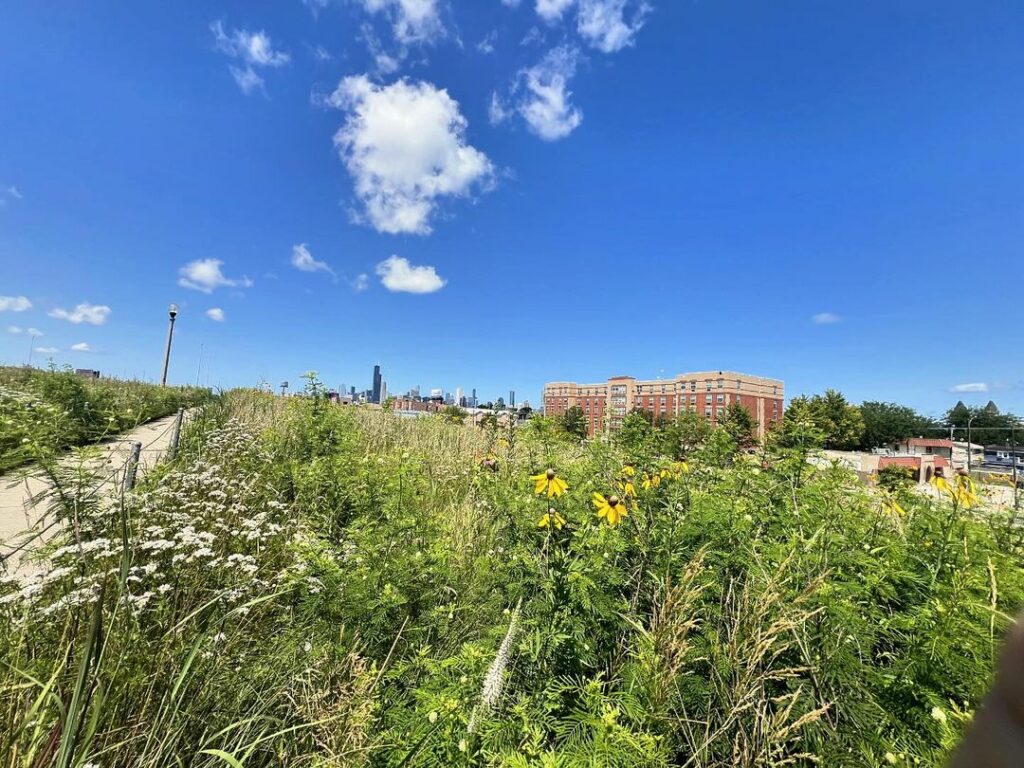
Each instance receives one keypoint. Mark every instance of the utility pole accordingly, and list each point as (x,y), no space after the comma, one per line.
(31,343)
(172,312)
(1013,458)
(969,420)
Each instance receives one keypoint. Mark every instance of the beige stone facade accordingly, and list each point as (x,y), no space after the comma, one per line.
(706,392)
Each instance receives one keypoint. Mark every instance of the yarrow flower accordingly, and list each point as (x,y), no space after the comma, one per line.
(551,519)
(612,509)
(550,483)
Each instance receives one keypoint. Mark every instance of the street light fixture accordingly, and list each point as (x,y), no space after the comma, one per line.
(172,313)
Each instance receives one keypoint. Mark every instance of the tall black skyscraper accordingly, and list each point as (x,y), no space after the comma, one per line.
(376,384)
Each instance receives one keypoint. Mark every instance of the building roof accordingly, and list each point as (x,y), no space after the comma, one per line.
(930,442)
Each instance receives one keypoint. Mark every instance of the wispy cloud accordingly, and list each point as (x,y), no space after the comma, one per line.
(205,275)
(412,21)
(607,25)
(14,303)
(360,283)
(974,386)
(825,318)
(398,275)
(81,347)
(46,350)
(216,314)
(254,50)
(7,194)
(93,314)
(540,95)
(303,260)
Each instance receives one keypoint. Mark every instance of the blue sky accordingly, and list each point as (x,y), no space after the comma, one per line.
(494,194)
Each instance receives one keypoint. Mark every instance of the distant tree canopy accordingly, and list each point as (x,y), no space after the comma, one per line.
(454,414)
(827,420)
(888,423)
(739,425)
(574,422)
(988,425)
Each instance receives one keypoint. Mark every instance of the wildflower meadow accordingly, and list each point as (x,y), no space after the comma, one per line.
(307,584)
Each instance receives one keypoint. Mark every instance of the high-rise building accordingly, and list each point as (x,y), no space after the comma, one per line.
(383,394)
(708,392)
(512,399)
(473,402)
(460,397)
(375,397)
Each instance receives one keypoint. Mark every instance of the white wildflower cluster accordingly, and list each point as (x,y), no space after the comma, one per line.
(214,525)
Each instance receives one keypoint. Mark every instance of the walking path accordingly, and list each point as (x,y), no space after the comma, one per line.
(23,497)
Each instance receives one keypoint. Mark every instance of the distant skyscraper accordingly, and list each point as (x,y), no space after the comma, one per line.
(383,394)
(460,397)
(472,399)
(375,397)
(352,392)
(512,399)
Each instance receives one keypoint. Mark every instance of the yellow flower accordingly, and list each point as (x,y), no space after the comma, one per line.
(612,509)
(966,491)
(942,484)
(889,504)
(550,482)
(680,468)
(628,489)
(629,470)
(650,481)
(551,518)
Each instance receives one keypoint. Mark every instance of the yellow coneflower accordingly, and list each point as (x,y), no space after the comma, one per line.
(651,481)
(889,504)
(627,489)
(549,482)
(551,518)
(966,493)
(629,470)
(942,484)
(612,509)
(680,468)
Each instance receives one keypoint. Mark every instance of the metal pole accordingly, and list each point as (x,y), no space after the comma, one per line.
(969,420)
(132,466)
(172,313)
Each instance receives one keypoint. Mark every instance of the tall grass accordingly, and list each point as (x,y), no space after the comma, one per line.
(310,585)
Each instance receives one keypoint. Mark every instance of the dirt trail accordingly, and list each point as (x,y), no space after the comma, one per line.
(20,519)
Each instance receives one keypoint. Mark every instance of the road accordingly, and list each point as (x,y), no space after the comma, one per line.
(21,517)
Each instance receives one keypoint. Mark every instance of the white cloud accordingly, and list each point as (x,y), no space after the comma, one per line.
(361,282)
(825,318)
(205,275)
(93,314)
(33,332)
(8,193)
(397,274)
(303,260)
(246,78)
(81,347)
(216,314)
(413,21)
(510,3)
(14,329)
(497,112)
(546,106)
(603,23)
(976,386)
(487,44)
(253,49)
(14,303)
(404,146)
(552,10)
(46,350)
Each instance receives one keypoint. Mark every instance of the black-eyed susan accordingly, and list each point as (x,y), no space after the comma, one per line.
(629,470)
(549,482)
(612,509)
(966,493)
(627,489)
(680,468)
(551,519)
(652,480)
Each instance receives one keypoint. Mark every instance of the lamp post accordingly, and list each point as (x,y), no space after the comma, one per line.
(172,313)
(969,420)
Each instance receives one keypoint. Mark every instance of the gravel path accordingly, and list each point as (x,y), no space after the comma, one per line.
(21,518)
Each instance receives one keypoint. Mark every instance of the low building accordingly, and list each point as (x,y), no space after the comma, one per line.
(87,373)
(953,451)
(707,392)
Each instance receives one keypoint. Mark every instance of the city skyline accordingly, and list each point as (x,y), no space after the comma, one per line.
(830,195)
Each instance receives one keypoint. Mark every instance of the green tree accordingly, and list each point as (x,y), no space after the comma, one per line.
(739,425)
(500,404)
(988,425)
(453,414)
(683,434)
(888,423)
(574,422)
(840,422)
(800,429)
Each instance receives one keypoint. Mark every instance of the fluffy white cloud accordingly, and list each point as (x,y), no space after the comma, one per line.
(603,23)
(413,21)
(404,146)
(552,10)
(14,329)
(303,260)
(81,347)
(825,318)
(397,274)
(93,314)
(546,105)
(361,282)
(974,386)
(216,314)
(46,350)
(205,275)
(253,49)
(14,303)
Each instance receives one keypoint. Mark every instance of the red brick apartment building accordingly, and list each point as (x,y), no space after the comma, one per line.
(707,393)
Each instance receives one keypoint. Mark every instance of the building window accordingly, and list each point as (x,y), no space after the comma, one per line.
(721,383)
(707,398)
(707,412)
(693,399)
(720,398)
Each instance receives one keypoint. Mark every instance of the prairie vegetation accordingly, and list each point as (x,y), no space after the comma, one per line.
(44,411)
(312,585)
